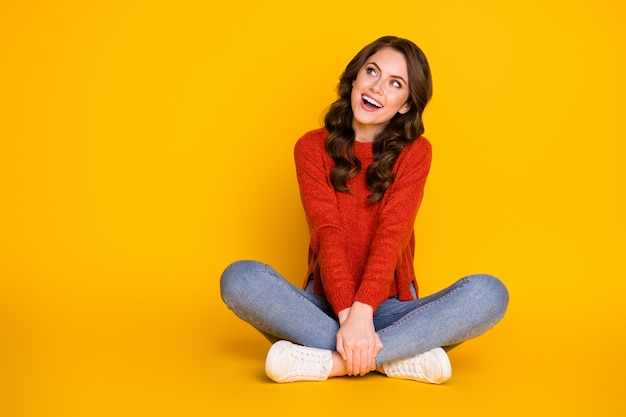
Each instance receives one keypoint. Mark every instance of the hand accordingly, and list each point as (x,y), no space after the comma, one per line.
(357,341)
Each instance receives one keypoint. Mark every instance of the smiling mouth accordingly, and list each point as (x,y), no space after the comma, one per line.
(370,102)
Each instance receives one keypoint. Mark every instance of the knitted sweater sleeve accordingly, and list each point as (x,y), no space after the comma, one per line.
(328,240)
(396,221)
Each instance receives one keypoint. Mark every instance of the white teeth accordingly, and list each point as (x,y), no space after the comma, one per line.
(372,102)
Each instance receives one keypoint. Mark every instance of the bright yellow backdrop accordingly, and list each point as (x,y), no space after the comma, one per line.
(145,145)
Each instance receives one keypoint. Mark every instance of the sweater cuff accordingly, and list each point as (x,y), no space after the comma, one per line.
(340,299)
(372,296)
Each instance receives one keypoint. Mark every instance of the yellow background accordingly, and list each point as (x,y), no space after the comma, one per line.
(146,145)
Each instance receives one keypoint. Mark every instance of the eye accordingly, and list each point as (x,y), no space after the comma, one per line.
(396,84)
(371,71)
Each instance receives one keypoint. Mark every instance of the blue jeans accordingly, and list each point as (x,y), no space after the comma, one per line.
(256,293)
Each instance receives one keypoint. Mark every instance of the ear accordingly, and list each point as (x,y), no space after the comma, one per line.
(404,109)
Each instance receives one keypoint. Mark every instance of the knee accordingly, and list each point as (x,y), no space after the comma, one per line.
(491,293)
(236,278)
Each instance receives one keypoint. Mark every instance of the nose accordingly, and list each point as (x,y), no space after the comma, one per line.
(375,87)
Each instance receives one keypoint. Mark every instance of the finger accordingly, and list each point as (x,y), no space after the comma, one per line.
(365,365)
(377,348)
(371,363)
(349,361)
(365,361)
(340,348)
(379,345)
(356,362)
(356,365)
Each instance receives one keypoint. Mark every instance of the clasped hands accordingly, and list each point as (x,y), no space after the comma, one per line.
(357,340)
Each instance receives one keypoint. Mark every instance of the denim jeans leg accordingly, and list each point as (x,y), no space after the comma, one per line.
(468,308)
(259,295)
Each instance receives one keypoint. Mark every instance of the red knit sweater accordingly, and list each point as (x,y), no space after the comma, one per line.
(359,251)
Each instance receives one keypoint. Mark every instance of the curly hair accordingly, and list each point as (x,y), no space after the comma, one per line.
(401,130)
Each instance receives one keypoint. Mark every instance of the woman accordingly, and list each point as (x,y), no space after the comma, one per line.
(361,181)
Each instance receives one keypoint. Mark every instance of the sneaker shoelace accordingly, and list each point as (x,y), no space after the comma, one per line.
(411,367)
(309,362)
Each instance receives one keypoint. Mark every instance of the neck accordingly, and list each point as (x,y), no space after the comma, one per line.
(365,133)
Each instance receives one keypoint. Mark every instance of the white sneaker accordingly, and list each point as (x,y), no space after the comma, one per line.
(288,362)
(432,366)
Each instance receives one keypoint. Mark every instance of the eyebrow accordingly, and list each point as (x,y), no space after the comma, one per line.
(379,70)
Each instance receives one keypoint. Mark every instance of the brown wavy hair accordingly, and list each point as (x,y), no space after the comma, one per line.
(401,130)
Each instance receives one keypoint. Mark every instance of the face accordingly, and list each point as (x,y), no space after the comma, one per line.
(379,92)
